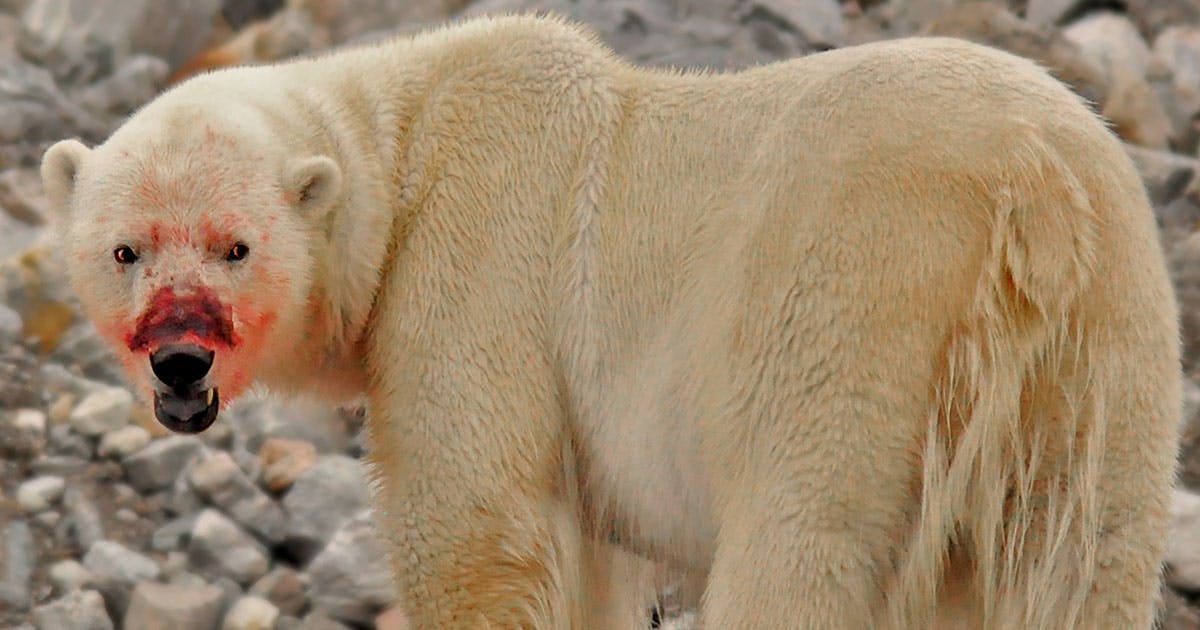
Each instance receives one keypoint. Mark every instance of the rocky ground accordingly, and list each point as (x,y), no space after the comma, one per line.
(262,522)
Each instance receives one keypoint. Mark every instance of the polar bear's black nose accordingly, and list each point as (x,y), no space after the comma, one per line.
(180,366)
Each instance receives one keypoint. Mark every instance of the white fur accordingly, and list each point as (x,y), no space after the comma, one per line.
(881,336)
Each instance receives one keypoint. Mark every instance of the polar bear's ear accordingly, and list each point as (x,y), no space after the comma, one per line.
(312,183)
(60,164)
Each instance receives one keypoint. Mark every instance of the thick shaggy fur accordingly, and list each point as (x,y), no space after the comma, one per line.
(880,337)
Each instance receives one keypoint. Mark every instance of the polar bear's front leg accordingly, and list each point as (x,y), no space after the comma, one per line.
(467,446)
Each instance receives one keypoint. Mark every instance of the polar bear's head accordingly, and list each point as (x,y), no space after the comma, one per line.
(190,239)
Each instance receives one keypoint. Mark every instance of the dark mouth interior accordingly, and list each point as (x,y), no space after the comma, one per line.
(186,411)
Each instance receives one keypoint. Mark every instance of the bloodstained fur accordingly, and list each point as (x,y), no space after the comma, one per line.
(170,318)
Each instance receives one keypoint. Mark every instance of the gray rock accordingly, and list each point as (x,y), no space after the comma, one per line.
(351,578)
(61,465)
(218,478)
(231,591)
(20,380)
(251,613)
(318,620)
(83,40)
(23,432)
(156,606)
(1051,12)
(284,587)
(78,610)
(82,527)
(58,380)
(21,196)
(112,560)
(63,441)
(1111,38)
(173,534)
(1166,175)
(123,442)
(138,80)
(101,411)
(1183,546)
(1153,16)
(218,547)
(321,500)
(20,558)
(256,419)
(10,320)
(39,493)
(69,575)
(1176,55)
(34,109)
(818,22)
(160,463)
(82,347)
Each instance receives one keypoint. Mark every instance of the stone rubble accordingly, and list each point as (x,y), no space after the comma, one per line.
(264,521)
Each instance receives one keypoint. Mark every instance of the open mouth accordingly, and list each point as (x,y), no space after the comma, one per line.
(183,401)
(187,411)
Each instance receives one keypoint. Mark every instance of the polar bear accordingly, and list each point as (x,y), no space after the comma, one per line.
(879,337)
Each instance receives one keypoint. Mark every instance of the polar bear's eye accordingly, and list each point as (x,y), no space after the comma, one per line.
(237,252)
(125,255)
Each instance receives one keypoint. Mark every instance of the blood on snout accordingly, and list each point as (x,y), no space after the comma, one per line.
(198,317)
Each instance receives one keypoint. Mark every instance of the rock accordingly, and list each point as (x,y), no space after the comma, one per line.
(392,619)
(22,432)
(818,22)
(21,196)
(34,110)
(1124,97)
(82,528)
(321,500)
(1166,175)
(81,346)
(61,465)
(173,534)
(20,558)
(138,80)
(160,463)
(1152,16)
(351,577)
(287,33)
(1183,546)
(218,547)
(69,575)
(102,411)
(156,606)
(218,478)
(283,587)
(1110,38)
(284,460)
(65,442)
(256,420)
(251,613)
(123,442)
(39,493)
(238,13)
(1111,41)
(10,321)
(1051,12)
(1176,55)
(1177,613)
(78,610)
(83,40)
(20,380)
(318,620)
(112,560)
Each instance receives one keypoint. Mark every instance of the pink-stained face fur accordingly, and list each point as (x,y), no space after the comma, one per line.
(187,234)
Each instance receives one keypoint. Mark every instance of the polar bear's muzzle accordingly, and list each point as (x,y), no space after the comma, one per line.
(183,401)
